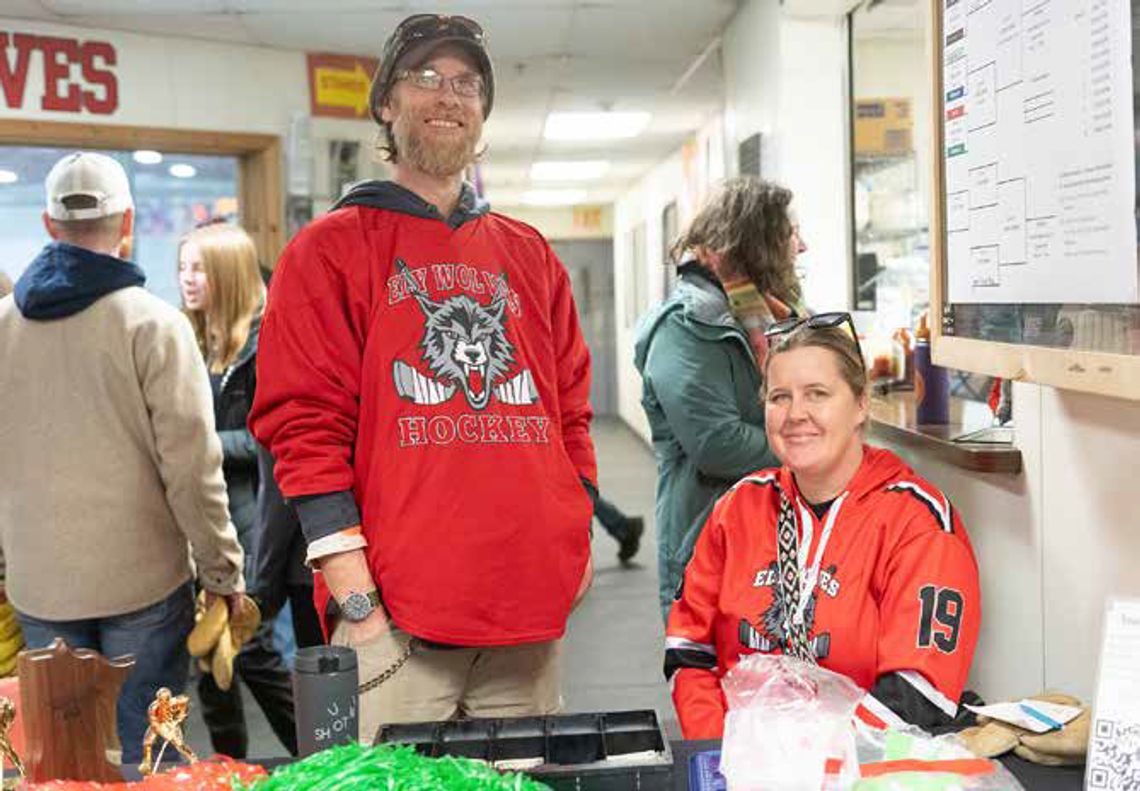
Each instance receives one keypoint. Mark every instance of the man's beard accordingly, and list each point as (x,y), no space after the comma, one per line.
(439,158)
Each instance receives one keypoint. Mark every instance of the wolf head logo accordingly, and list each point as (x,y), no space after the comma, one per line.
(768,634)
(464,343)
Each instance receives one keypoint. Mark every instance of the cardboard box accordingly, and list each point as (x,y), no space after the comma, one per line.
(883,127)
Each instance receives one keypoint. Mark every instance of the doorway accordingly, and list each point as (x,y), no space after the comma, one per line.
(590,265)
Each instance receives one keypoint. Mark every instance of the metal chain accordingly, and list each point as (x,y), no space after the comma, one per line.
(392,670)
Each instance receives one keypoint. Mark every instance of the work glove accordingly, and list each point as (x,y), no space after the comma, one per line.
(218,635)
(1065,747)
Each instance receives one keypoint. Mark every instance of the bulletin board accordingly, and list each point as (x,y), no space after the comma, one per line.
(1034,244)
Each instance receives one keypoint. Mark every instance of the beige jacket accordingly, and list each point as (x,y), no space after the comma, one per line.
(111,487)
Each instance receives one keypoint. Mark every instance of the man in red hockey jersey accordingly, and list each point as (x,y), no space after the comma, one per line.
(422,385)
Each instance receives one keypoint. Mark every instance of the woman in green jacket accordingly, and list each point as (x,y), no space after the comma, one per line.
(700,353)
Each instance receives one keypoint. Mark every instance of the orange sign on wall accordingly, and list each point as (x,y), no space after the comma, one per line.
(339,84)
(587,218)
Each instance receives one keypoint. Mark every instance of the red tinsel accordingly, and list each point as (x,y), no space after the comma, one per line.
(212,775)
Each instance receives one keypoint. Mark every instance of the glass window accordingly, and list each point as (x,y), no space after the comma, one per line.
(172,194)
(891,162)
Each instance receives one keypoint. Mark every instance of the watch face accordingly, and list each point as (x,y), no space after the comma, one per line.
(356,607)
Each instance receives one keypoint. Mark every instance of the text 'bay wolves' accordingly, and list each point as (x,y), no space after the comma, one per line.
(464,343)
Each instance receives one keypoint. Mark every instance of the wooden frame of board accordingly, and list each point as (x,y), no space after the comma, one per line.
(1115,375)
(260,199)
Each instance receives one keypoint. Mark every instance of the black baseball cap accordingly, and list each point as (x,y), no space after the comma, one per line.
(413,41)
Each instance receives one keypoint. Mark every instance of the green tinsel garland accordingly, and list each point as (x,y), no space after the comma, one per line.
(353,766)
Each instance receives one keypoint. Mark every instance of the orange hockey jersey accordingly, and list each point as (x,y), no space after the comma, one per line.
(896,589)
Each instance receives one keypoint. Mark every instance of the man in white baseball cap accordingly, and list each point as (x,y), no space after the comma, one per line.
(111,488)
(86,186)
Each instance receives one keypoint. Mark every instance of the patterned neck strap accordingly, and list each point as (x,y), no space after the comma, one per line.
(787,555)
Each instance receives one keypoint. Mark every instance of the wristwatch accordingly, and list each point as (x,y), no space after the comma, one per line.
(358,606)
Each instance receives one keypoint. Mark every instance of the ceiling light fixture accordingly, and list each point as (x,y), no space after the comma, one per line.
(553,197)
(9,177)
(183,171)
(145,157)
(552,170)
(595,126)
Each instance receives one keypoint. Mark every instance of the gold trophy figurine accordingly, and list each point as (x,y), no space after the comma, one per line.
(165,717)
(7,715)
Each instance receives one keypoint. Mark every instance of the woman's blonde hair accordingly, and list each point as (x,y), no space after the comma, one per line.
(835,340)
(237,292)
(747,222)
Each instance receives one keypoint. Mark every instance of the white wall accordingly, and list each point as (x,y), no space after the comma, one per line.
(562,222)
(811,139)
(1052,542)
(643,204)
(784,78)
(1089,523)
(178,83)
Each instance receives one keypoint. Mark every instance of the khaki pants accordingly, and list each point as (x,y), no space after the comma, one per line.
(442,684)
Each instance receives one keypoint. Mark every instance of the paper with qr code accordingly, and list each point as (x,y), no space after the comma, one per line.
(1114,744)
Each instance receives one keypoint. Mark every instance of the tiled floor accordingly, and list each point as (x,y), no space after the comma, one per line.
(614,645)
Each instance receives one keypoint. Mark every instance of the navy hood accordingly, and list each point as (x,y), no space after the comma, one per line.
(64,280)
(391,196)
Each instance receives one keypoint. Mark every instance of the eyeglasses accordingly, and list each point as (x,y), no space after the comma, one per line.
(819,321)
(428,79)
(438,25)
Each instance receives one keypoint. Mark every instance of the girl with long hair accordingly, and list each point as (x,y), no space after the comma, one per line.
(223,295)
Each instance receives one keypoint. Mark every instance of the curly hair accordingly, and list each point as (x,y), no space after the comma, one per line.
(747,222)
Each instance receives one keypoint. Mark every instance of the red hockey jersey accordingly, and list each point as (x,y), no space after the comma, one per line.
(439,373)
(896,588)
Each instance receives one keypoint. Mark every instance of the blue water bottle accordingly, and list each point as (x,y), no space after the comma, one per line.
(931,384)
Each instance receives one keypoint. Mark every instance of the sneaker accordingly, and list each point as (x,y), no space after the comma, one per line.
(631,540)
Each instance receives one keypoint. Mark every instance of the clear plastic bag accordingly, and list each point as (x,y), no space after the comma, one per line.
(909,759)
(790,726)
(786,721)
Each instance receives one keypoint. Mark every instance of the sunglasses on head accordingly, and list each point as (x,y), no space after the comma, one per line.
(437,25)
(820,321)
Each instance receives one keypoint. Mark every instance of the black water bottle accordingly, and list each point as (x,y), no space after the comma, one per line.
(325,682)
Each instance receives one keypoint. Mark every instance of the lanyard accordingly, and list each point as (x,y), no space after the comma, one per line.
(809,575)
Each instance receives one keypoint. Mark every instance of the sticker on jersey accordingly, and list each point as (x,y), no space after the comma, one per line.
(767,635)
(464,347)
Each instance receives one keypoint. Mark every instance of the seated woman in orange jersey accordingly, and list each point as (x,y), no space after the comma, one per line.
(843,556)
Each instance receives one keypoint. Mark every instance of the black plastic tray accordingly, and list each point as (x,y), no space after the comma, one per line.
(574,748)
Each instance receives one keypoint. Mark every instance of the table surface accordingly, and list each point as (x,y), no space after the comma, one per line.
(1032,776)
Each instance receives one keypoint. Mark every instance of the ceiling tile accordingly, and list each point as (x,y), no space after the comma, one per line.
(134,8)
(213,27)
(548,54)
(354,32)
(25,9)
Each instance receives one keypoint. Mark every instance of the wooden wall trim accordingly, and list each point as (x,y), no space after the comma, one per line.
(260,198)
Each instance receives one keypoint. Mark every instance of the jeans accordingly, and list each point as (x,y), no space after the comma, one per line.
(306,624)
(611,517)
(155,635)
